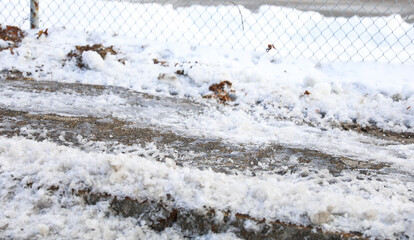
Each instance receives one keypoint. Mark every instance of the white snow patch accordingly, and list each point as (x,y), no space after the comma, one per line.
(4,44)
(93,60)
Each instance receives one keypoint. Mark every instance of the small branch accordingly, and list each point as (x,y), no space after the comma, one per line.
(241,15)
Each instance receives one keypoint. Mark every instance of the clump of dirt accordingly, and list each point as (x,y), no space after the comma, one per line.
(221,91)
(180,72)
(99,48)
(11,34)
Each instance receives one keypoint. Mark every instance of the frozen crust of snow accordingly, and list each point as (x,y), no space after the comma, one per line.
(382,209)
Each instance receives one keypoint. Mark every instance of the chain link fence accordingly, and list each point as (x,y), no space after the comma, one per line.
(323,30)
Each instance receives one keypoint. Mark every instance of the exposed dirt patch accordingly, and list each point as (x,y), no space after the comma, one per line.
(99,48)
(13,35)
(404,138)
(15,75)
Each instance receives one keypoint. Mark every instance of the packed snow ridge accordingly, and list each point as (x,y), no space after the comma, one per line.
(375,208)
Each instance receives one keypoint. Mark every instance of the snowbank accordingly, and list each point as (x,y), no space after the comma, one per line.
(377,208)
(380,95)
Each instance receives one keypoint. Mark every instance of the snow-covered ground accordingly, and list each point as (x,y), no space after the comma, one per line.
(294,103)
(265,86)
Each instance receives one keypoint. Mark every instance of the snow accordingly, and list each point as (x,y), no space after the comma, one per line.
(377,208)
(343,92)
(229,123)
(296,103)
(93,60)
(4,44)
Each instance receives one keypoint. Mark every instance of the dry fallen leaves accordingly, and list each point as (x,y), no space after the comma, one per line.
(221,91)
(41,32)
(270,47)
(99,48)
(160,62)
(11,34)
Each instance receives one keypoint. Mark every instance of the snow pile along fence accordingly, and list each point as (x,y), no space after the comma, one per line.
(322,30)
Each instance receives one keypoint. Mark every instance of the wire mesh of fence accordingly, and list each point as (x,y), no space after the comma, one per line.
(323,30)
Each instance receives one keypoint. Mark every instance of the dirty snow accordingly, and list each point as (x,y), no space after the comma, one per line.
(291,102)
(376,208)
(263,83)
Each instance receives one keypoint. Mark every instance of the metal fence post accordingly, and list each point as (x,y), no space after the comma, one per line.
(34,14)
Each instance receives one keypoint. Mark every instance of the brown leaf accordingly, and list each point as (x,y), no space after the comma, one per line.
(162,63)
(270,47)
(41,32)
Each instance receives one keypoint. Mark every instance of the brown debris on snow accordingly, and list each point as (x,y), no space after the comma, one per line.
(15,75)
(270,47)
(221,91)
(43,32)
(11,34)
(99,48)
(304,94)
(178,66)
(160,62)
